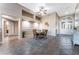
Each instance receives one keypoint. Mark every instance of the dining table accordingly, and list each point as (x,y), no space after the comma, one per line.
(40,33)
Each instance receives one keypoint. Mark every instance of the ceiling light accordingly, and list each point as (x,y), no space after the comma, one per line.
(7,23)
(66,13)
(42,10)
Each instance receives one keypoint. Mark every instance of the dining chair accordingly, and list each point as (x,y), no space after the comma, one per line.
(35,34)
(44,33)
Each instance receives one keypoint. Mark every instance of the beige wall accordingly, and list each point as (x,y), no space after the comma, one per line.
(51,19)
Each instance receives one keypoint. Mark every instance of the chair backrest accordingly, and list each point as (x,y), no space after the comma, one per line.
(45,31)
(34,31)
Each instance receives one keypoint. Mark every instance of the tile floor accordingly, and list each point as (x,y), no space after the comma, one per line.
(60,45)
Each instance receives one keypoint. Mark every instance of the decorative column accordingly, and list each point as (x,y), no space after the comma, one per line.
(20,28)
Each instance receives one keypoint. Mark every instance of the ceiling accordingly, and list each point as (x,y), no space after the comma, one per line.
(61,8)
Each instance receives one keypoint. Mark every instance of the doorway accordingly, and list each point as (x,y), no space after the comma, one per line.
(10,29)
(66,27)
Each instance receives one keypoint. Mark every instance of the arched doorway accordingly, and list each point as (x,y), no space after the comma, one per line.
(66,26)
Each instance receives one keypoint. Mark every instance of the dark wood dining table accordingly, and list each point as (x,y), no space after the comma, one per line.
(40,33)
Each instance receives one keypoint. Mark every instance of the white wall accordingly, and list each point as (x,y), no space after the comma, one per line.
(57,24)
(16,28)
(0,27)
(51,19)
(26,25)
(11,9)
(13,27)
(0,21)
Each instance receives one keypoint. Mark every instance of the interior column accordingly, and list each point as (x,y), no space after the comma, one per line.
(20,28)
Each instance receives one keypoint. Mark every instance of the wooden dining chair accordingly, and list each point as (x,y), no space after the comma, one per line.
(46,33)
(35,34)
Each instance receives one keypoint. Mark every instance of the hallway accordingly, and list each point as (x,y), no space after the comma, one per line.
(60,45)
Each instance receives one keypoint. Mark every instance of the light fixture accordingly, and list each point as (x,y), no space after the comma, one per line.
(42,11)
(7,23)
